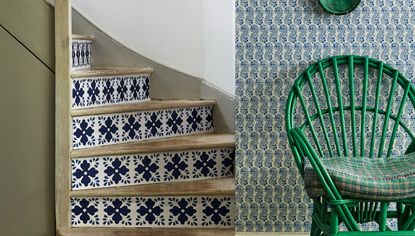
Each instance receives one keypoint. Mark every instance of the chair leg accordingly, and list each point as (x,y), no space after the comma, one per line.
(315,230)
(383,216)
(334,222)
(402,214)
(318,209)
(409,223)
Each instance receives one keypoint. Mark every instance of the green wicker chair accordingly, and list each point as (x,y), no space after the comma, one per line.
(349,128)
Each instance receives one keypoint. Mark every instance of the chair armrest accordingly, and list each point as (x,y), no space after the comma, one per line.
(411,147)
(305,150)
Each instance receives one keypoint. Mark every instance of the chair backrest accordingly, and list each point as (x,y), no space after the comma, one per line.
(352,106)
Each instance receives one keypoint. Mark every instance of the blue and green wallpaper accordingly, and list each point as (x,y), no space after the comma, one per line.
(275,41)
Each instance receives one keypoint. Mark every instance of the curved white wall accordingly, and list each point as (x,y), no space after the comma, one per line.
(193,36)
(219,43)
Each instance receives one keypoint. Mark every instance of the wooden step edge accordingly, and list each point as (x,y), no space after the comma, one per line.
(124,231)
(150,105)
(109,71)
(88,37)
(207,187)
(181,143)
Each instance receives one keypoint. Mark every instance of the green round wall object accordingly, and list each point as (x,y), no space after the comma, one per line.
(339,7)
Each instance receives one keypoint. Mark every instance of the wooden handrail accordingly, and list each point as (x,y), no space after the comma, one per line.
(63,56)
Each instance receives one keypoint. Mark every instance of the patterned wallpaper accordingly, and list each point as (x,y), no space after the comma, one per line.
(275,41)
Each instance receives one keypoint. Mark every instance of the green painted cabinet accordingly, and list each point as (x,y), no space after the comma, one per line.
(26,120)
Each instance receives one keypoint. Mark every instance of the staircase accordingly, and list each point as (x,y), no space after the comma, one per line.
(136,165)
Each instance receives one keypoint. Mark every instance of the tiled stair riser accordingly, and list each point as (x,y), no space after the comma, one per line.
(110,90)
(98,130)
(101,172)
(209,212)
(81,54)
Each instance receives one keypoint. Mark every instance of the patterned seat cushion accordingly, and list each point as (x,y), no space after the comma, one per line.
(367,178)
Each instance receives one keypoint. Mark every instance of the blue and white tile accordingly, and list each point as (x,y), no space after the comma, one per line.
(110,90)
(126,170)
(97,130)
(81,54)
(170,212)
(117,211)
(84,211)
(86,173)
(183,211)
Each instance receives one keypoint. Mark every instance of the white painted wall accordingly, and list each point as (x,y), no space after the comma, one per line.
(166,31)
(192,36)
(219,43)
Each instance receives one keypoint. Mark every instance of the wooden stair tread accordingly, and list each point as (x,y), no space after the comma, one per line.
(150,105)
(148,232)
(108,71)
(208,187)
(190,142)
(83,37)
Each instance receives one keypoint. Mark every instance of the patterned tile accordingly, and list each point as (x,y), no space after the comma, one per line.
(275,41)
(98,172)
(208,212)
(81,54)
(91,92)
(90,131)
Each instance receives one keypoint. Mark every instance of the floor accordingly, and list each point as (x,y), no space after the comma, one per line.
(271,234)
